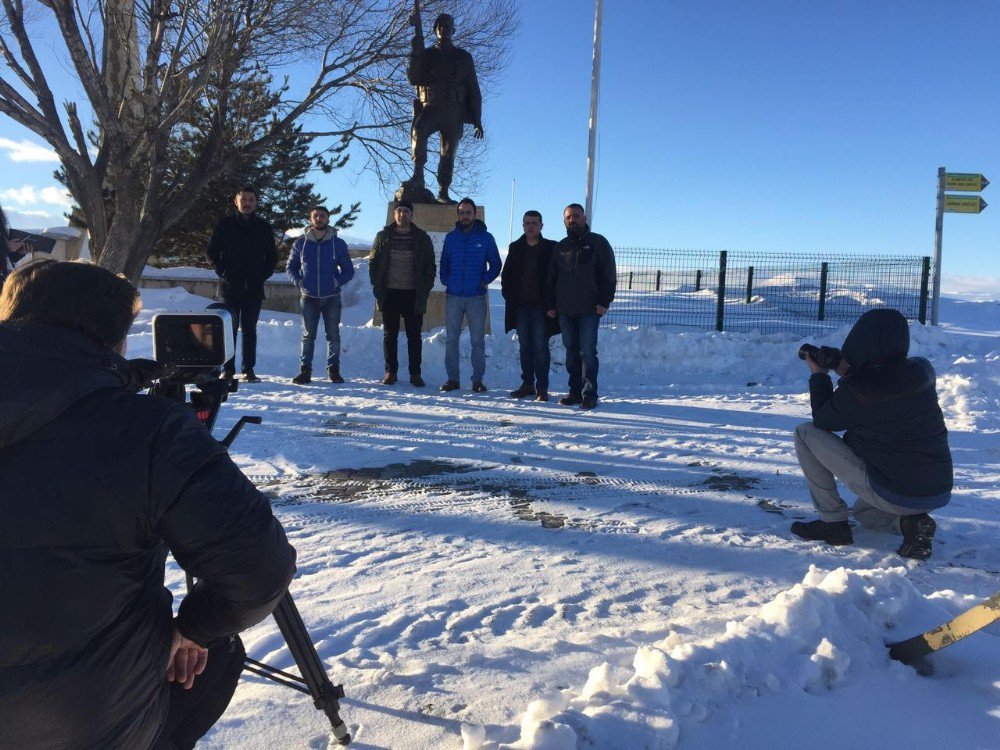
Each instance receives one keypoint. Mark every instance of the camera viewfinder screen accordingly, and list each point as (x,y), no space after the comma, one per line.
(189,340)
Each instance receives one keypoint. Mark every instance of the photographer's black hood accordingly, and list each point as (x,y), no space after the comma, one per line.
(879,337)
(46,369)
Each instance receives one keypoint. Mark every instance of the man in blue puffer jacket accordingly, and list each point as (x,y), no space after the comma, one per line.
(469,262)
(319,265)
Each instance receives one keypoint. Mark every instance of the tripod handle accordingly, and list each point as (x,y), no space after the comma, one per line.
(233,433)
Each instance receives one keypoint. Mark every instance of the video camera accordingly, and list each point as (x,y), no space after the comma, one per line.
(194,342)
(192,349)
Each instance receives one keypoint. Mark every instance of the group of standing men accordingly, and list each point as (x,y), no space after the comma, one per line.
(547,286)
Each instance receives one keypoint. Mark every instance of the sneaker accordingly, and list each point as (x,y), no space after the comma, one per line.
(542,396)
(450,385)
(523,392)
(570,400)
(836,533)
(918,531)
(304,376)
(478,386)
(417,381)
(250,376)
(588,403)
(389,379)
(334,375)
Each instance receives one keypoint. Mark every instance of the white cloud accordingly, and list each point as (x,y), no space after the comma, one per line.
(34,220)
(27,151)
(31,196)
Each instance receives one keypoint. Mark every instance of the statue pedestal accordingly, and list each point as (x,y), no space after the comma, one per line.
(437,220)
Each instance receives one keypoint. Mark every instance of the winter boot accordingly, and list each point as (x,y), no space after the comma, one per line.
(523,392)
(334,374)
(250,376)
(832,532)
(304,376)
(918,531)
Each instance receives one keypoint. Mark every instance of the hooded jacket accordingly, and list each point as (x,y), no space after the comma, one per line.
(98,482)
(320,265)
(470,260)
(582,274)
(888,405)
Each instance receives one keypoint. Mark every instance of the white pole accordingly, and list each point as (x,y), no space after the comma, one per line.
(510,230)
(595,84)
(938,232)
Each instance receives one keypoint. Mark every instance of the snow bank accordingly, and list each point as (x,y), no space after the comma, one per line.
(827,631)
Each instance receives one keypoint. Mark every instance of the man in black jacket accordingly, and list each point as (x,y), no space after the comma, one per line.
(243,254)
(98,483)
(522,282)
(580,289)
(894,454)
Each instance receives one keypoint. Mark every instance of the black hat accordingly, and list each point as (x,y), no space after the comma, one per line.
(405,204)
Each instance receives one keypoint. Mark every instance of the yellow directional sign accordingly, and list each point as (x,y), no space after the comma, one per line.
(963,204)
(965,182)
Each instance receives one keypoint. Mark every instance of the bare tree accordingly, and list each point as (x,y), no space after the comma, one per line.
(144,66)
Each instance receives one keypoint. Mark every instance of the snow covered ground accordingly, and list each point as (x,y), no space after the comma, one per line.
(487,573)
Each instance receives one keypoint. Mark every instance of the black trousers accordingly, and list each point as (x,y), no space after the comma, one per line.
(246,312)
(193,712)
(401,303)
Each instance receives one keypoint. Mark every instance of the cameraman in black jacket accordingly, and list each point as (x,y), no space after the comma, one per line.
(894,454)
(98,482)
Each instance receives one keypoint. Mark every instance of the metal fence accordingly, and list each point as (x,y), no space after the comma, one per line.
(765,292)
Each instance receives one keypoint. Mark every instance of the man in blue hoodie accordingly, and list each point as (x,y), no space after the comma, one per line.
(319,265)
(469,262)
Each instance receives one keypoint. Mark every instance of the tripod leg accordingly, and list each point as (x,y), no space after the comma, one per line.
(325,695)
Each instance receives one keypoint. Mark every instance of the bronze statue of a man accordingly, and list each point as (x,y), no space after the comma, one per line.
(448,96)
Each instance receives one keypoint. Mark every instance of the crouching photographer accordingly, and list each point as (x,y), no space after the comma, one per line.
(894,454)
(97,483)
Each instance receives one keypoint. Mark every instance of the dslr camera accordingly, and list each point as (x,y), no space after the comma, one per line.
(827,357)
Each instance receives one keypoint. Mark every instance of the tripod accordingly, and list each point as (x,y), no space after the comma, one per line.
(206,402)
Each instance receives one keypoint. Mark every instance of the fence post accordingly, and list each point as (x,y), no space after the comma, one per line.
(720,304)
(658,280)
(925,275)
(749,284)
(630,280)
(823,272)
(697,281)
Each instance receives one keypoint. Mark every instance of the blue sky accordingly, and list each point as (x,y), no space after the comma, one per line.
(784,125)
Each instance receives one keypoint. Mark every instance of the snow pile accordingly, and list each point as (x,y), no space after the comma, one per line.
(815,637)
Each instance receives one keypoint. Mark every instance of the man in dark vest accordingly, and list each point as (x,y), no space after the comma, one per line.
(522,282)
(580,289)
(448,96)
(243,254)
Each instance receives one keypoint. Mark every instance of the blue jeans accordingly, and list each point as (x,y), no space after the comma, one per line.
(534,345)
(579,335)
(312,308)
(472,309)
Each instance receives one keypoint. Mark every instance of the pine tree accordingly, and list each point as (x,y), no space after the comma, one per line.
(280,178)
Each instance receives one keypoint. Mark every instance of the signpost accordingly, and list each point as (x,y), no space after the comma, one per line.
(963,204)
(963,182)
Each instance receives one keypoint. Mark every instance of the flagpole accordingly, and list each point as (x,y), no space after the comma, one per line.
(594,87)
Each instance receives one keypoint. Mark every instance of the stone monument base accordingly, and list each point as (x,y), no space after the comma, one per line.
(437,220)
